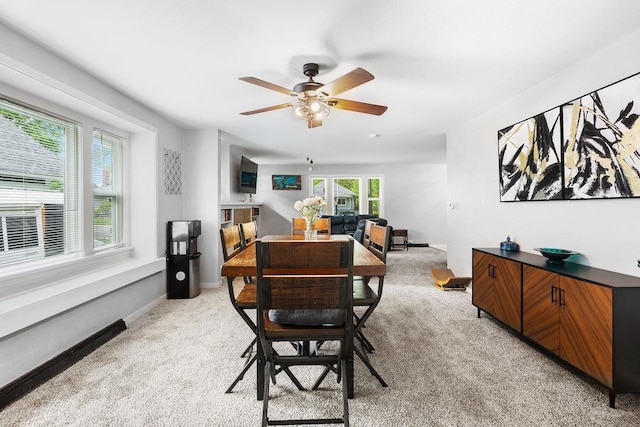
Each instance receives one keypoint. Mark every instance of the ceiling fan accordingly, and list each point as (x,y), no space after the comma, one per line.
(314,99)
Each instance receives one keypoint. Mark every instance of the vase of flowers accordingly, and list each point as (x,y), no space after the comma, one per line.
(311,208)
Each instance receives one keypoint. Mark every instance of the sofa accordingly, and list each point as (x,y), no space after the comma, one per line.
(346,224)
(353,225)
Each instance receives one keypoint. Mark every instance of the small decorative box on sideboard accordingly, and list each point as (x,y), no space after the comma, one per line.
(586,316)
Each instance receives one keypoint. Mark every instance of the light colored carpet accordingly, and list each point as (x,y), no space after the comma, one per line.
(444,366)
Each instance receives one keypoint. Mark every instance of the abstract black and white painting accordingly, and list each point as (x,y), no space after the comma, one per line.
(601,143)
(530,159)
(588,148)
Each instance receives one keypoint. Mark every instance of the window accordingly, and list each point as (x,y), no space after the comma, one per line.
(319,187)
(107,189)
(38,184)
(373,196)
(347,196)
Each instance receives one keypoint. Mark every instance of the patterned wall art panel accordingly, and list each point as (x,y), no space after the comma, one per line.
(286,182)
(530,159)
(172,172)
(602,143)
(585,149)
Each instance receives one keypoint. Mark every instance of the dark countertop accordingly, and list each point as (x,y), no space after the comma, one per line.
(570,269)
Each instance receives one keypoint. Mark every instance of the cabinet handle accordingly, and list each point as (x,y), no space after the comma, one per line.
(489,271)
(494,271)
(561,298)
(553,294)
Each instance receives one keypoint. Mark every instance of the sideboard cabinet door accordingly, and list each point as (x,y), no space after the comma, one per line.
(497,288)
(483,286)
(586,328)
(541,314)
(507,304)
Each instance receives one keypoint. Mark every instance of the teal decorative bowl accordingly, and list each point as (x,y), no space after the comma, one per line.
(555,256)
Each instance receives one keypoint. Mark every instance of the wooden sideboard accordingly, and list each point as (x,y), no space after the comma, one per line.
(586,316)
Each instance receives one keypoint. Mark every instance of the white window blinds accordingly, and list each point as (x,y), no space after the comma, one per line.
(107,188)
(38,184)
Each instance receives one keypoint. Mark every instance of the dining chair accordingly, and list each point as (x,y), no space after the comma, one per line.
(249,232)
(242,301)
(231,240)
(322,225)
(248,235)
(232,243)
(365,296)
(245,299)
(305,294)
(366,239)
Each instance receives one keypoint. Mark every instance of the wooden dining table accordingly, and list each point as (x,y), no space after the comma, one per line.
(365,263)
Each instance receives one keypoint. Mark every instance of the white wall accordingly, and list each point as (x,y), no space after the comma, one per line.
(201,198)
(414,197)
(605,232)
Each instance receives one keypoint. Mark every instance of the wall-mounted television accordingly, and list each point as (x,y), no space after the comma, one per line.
(248,176)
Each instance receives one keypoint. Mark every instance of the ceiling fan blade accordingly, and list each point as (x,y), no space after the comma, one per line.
(358,107)
(314,123)
(268,85)
(346,82)
(265,109)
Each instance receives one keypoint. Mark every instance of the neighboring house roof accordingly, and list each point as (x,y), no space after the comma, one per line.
(339,190)
(23,156)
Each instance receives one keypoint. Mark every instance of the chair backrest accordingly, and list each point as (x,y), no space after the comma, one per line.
(231,240)
(305,275)
(299,225)
(366,239)
(249,232)
(378,240)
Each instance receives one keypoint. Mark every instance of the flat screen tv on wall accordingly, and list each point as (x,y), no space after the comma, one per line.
(248,176)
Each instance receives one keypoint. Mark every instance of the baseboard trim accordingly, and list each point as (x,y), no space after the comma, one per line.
(418,245)
(23,385)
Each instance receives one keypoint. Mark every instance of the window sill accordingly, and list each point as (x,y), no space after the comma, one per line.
(22,278)
(21,310)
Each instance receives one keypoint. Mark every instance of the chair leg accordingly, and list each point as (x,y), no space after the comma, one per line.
(244,371)
(366,344)
(265,400)
(249,350)
(360,323)
(345,394)
(362,355)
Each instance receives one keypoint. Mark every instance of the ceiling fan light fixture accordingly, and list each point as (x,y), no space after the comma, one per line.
(311,108)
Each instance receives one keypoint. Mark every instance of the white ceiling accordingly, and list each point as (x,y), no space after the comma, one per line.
(436,62)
